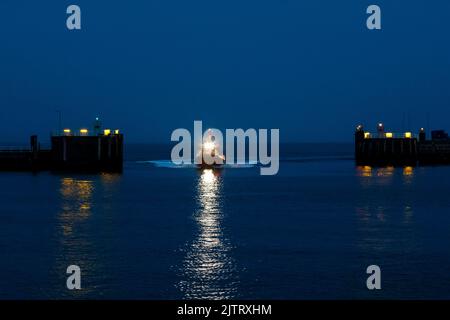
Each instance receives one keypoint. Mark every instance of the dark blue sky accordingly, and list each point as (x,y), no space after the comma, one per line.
(310,68)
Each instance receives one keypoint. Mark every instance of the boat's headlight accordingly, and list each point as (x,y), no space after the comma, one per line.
(209,146)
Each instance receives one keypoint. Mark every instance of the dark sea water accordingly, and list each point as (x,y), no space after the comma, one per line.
(157,232)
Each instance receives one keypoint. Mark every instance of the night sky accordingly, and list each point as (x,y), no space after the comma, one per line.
(310,68)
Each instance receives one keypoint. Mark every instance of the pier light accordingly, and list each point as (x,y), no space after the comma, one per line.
(380,130)
(107,132)
(366,135)
(408,135)
(359,127)
(84,132)
(389,135)
(116,131)
(67,132)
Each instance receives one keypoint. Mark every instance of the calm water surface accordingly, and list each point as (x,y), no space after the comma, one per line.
(168,233)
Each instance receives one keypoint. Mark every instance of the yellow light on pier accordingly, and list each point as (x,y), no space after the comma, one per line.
(408,135)
(116,131)
(67,132)
(84,132)
(366,135)
(389,135)
(106,132)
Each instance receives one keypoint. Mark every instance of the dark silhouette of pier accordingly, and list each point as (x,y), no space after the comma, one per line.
(101,152)
(405,149)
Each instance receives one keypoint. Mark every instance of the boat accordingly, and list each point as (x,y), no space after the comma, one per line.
(209,156)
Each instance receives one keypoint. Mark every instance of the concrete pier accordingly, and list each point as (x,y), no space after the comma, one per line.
(90,153)
(101,153)
(404,149)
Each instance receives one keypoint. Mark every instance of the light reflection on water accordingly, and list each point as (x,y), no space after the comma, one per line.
(371,179)
(385,216)
(208,270)
(73,234)
(369,176)
(79,232)
(408,175)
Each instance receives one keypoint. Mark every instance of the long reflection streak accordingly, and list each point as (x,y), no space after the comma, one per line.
(208,269)
(76,209)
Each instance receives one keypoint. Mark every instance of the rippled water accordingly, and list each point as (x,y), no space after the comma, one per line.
(156,232)
(208,269)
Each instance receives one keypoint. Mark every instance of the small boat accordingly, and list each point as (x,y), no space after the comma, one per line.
(213,159)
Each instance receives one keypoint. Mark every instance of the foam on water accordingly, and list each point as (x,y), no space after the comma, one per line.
(170,164)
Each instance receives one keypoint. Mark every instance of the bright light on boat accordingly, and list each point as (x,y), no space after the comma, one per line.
(209,146)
